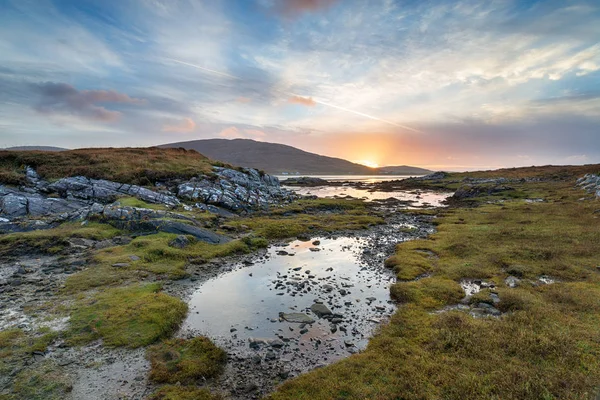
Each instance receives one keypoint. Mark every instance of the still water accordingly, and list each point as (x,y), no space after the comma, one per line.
(241,306)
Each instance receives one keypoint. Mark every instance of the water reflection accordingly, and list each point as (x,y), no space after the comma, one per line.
(245,304)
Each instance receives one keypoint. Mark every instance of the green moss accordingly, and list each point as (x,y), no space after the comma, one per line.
(131,316)
(135,202)
(176,392)
(185,361)
(156,258)
(286,227)
(45,381)
(56,240)
(428,292)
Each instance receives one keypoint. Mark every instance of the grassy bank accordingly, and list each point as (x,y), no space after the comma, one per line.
(141,166)
(545,345)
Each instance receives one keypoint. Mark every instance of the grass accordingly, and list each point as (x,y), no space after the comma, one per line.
(130,316)
(156,258)
(176,392)
(545,346)
(185,361)
(135,202)
(32,381)
(272,227)
(141,166)
(55,240)
(16,346)
(45,381)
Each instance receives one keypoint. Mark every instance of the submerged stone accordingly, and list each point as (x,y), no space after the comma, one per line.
(298,318)
(320,309)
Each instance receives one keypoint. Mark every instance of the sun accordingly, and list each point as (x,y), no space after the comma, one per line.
(370,164)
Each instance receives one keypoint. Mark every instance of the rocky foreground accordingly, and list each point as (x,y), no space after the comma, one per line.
(40,204)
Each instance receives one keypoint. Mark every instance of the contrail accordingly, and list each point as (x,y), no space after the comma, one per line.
(294,94)
(363,114)
(205,69)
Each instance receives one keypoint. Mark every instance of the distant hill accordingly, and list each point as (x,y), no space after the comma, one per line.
(277,158)
(38,148)
(403,170)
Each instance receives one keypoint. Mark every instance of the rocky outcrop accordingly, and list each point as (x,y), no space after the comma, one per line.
(305,181)
(590,183)
(227,189)
(100,190)
(469,191)
(235,190)
(16,203)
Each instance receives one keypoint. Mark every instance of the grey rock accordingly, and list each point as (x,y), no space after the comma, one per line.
(235,190)
(299,318)
(100,190)
(180,242)
(320,309)
(512,281)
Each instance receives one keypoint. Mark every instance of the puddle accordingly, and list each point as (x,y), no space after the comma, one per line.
(240,310)
(417,199)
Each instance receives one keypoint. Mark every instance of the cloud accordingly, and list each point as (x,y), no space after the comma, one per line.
(291,8)
(235,133)
(62,98)
(305,101)
(185,126)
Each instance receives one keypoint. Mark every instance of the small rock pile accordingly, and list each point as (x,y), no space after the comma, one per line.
(590,183)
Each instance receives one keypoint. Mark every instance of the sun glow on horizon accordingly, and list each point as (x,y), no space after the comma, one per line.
(370,164)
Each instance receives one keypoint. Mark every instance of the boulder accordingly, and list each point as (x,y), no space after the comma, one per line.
(320,309)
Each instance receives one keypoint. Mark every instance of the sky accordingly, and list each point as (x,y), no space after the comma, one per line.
(441,84)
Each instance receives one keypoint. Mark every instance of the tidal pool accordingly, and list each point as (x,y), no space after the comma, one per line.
(247,310)
(414,198)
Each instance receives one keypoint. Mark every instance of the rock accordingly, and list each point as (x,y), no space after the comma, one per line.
(120,265)
(236,190)
(256,343)
(434,176)
(469,191)
(180,242)
(316,243)
(327,287)
(133,257)
(320,309)
(512,281)
(298,318)
(169,226)
(305,181)
(103,191)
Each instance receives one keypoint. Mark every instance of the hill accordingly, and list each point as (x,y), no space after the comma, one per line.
(403,170)
(279,158)
(35,148)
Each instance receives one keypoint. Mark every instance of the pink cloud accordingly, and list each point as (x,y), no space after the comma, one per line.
(185,126)
(234,133)
(305,101)
(62,98)
(295,7)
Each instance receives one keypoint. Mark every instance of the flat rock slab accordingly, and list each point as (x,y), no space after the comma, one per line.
(298,318)
(320,309)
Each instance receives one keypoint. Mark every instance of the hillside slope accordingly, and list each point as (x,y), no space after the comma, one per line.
(278,158)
